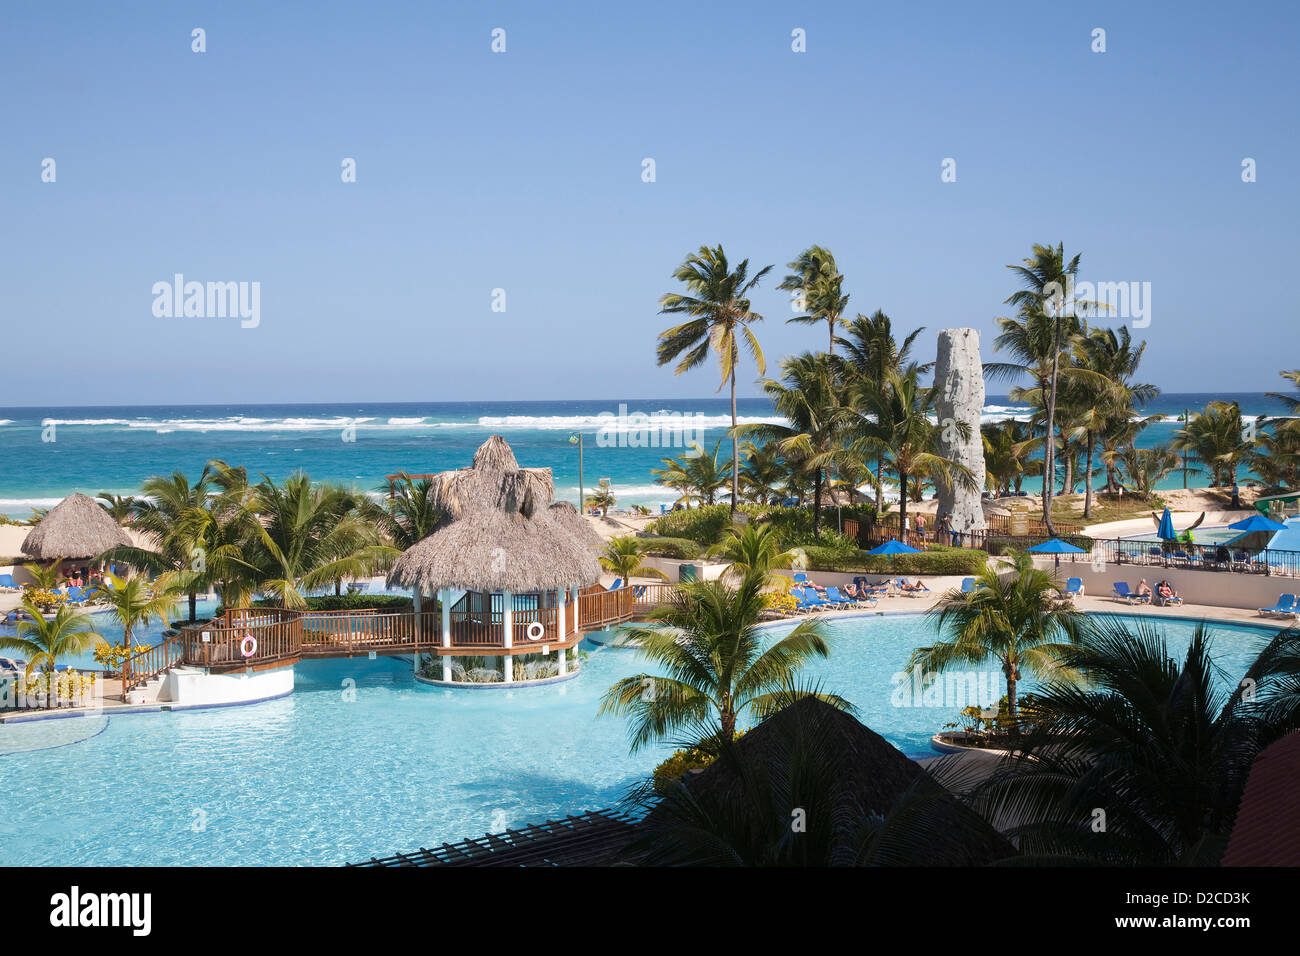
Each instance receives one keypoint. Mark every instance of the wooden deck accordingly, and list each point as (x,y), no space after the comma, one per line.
(252,639)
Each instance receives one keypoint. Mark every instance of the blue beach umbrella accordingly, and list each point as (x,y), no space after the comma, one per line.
(894,546)
(1056,546)
(1256,522)
(1166,530)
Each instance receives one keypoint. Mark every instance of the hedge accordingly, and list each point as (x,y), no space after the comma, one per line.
(347,602)
(1002,545)
(682,548)
(703,525)
(938,561)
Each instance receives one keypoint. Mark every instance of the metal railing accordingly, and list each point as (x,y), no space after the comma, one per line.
(1200,557)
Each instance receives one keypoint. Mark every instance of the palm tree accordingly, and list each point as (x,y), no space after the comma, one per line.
(1008,445)
(43,641)
(309,536)
(119,507)
(808,397)
(763,471)
(1147,467)
(1046,324)
(1276,455)
(701,475)
(1215,439)
(408,515)
(602,497)
(133,601)
(895,421)
(46,577)
(871,354)
(1164,746)
(753,548)
(717,302)
(623,558)
(815,276)
(1292,401)
(717,666)
(1015,619)
(169,511)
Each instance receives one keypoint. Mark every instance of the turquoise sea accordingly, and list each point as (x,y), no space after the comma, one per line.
(47,453)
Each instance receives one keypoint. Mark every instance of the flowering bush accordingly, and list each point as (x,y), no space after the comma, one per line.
(112,656)
(45,599)
(783,603)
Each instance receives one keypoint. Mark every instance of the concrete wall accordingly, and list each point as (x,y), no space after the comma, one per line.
(1214,588)
(192,687)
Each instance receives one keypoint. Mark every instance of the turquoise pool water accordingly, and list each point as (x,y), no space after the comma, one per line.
(319,778)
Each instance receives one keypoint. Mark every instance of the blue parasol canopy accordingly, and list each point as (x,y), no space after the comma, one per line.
(1056,546)
(1166,530)
(1257,523)
(894,546)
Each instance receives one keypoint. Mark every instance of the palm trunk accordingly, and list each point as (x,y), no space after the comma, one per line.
(1011,694)
(830,323)
(1087,480)
(1049,450)
(817,503)
(880,477)
(902,506)
(194,609)
(735,450)
(1067,486)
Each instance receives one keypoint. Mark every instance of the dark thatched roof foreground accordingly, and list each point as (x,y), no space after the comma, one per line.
(77,527)
(864,803)
(500,533)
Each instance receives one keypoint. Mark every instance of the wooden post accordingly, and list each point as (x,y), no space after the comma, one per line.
(508,631)
(416,606)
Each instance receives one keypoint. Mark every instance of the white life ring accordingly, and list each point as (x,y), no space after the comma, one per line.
(248,646)
(539,633)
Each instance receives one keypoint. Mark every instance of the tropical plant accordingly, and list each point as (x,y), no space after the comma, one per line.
(47,577)
(718,306)
(407,515)
(698,475)
(119,507)
(819,285)
(1012,615)
(1147,467)
(763,472)
(602,497)
(1275,458)
(134,602)
(1217,441)
(310,536)
(753,548)
(1164,746)
(717,666)
(44,641)
(808,398)
(624,558)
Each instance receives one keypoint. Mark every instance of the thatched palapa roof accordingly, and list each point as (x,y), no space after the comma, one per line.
(500,533)
(566,513)
(75,528)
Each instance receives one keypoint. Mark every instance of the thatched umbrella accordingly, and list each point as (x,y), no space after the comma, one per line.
(566,513)
(499,533)
(75,528)
(862,774)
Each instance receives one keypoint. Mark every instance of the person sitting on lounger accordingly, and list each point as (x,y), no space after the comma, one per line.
(1165,593)
(905,585)
(1143,589)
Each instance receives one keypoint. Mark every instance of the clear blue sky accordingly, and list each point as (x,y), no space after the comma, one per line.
(523,171)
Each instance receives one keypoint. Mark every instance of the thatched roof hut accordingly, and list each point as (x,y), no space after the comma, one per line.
(848,770)
(499,534)
(566,513)
(75,528)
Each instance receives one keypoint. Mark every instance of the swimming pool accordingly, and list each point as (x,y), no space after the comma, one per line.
(361,760)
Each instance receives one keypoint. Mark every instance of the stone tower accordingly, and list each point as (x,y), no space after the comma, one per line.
(959,375)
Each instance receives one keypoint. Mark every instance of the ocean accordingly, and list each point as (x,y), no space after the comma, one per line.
(48,453)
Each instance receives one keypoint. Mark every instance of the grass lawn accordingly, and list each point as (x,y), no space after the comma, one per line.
(1069,508)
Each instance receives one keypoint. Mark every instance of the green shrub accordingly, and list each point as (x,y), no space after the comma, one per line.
(682,548)
(702,525)
(1002,545)
(354,602)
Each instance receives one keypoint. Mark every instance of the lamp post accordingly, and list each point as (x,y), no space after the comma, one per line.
(576,439)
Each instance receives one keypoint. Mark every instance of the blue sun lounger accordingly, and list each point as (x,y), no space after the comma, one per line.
(1121,592)
(1073,587)
(7,583)
(1286,604)
(967,585)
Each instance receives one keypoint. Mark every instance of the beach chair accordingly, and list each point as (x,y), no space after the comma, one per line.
(638,592)
(76,595)
(1286,604)
(800,578)
(7,583)
(967,585)
(618,583)
(833,596)
(1121,592)
(1073,587)
(814,600)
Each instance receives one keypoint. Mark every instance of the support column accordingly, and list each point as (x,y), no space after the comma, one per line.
(560,595)
(415,603)
(508,631)
(444,596)
(577,623)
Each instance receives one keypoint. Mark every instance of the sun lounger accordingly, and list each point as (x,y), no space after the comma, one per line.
(834,596)
(1121,592)
(967,585)
(1073,587)
(618,583)
(800,578)
(912,590)
(1286,604)
(815,601)
(7,583)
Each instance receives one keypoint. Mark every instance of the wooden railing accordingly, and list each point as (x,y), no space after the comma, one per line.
(599,608)
(150,662)
(361,632)
(244,637)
